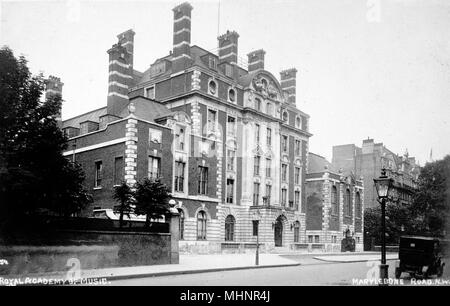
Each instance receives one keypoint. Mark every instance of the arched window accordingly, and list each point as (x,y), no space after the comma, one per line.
(296,231)
(232,95)
(358,205)
(334,201)
(212,88)
(257,104)
(298,122)
(348,205)
(285,116)
(229,228)
(181,223)
(201,225)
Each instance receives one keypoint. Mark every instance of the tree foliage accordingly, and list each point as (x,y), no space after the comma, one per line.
(428,213)
(34,175)
(125,196)
(152,199)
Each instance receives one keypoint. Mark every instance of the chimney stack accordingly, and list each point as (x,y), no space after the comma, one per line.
(120,72)
(288,83)
(228,47)
(53,87)
(256,60)
(181,36)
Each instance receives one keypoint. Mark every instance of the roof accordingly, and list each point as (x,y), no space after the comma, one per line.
(146,109)
(89,116)
(317,163)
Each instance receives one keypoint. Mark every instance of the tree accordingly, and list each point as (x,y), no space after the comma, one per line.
(152,199)
(124,195)
(34,175)
(431,203)
(427,214)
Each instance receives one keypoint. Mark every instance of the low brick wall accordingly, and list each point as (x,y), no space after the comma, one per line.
(93,249)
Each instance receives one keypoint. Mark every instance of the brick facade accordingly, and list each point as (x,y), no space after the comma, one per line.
(205,109)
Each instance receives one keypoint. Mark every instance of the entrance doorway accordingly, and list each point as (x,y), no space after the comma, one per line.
(278,232)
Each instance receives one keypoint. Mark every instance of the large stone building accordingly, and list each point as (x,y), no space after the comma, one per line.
(368,161)
(335,205)
(227,139)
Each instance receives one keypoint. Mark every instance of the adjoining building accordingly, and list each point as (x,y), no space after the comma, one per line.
(368,161)
(226,138)
(335,205)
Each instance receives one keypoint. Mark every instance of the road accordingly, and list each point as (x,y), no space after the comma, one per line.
(311,272)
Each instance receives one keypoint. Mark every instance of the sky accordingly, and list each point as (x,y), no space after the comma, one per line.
(366,68)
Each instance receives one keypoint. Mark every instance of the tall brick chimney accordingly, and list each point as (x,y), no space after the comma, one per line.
(181,55)
(120,72)
(256,60)
(53,86)
(228,47)
(288,83)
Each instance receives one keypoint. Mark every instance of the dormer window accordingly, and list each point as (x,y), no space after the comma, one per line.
(212,87)
(298,122)
(212,63)
(232,95)
(150,92)
(285,116)
(229,71)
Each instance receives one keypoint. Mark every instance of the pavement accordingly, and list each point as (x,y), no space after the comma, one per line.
(356,258)
(190,264)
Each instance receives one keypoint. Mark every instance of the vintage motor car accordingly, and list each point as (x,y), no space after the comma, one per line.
(420,257)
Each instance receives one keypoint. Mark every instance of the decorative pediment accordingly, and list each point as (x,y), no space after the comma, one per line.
(182,117)
(267,85)
(258,150)
(285,158)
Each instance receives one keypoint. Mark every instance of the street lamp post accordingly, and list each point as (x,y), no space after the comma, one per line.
(383,184)
(256,219)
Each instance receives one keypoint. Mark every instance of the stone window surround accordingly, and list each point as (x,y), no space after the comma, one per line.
(216,94)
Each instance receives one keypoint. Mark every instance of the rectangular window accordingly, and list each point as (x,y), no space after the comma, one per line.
(316,239)
(284,168)
(231,127)
(212,116)
(255,227)
(257,161)
(154,167)
(212,63)
(283,196)
(310,238)
(150,92)
(231,154)
(179,138)
(203,180)
(284,143)
(230,190)
(296,233)
(269,137)
(297,175)
(268,193)
(179,176)
(228,71)
(257,128)
(268,167)
(98,174)
(118,170)
(255,194)
(297,147)
(297,199)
